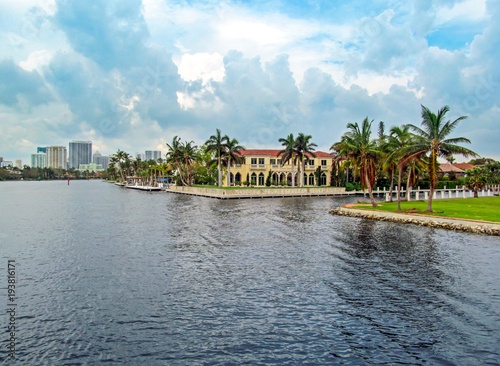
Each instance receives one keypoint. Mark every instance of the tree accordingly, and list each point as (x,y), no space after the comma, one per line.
(304,148)
(399,139)
(476,179)
(431,139)
(231,154)
(289,153)
(217,144)
(358,146)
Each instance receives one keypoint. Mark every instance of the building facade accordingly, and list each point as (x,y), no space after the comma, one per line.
(92,167)
(41,150)
(80,152)
(19,163)
(56,157)
(152,154)
(256,165)
(39,160)
(101,160)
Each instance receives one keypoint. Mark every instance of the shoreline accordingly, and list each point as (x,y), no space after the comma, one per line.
(467,225)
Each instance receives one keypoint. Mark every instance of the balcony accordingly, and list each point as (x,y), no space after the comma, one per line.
(258,166)
(310,167)
(262,166)
(238,165)
(275,166)
(253,166)
(324,167)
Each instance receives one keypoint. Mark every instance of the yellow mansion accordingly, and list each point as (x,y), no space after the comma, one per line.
(257,164)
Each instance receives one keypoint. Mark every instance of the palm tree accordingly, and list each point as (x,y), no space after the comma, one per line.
(218,144)
(399,139)
(232,154)
(174,156)
(431,139)
(289,153)
(476,179)
(188,156)
(358,146)
(303,147)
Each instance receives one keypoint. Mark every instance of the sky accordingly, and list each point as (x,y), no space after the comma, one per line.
(133,74)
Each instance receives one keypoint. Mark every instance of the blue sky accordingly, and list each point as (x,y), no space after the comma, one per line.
(132,74)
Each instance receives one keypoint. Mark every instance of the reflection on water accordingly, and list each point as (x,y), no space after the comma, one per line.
(109,275)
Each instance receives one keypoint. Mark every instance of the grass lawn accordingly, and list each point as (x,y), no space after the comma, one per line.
(244,187)
(483,208)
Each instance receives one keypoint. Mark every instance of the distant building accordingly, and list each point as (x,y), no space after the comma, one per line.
(101,160)
(80,152)
(140,156)
(446,169)
(6,163)
(39,160)
(464,166)
(1,159)
(19,163)
(41,150)
(153,154)
(92,167)
(56,157)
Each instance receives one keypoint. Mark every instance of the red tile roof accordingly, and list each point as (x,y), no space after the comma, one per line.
(262,152)
(464,166)
(445,168)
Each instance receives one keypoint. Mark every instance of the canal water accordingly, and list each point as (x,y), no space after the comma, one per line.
(107,275)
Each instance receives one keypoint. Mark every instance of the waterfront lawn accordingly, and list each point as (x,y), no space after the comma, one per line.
(482,208)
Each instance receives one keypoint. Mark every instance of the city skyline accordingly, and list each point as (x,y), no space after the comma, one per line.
(136,73)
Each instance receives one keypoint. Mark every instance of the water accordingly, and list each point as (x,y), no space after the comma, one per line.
(113,276)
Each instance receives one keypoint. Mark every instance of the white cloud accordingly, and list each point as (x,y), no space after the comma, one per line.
(204,66)
(36,60)
(472,10)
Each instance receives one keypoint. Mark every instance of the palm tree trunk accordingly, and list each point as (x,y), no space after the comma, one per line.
(369,186)
(229,173)
(219,178)
(392,184)
(432,179)
(400,170)
(303,172)
(293,178)
(408,186)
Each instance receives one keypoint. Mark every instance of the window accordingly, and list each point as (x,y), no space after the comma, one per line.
(279,161)
(273,161)
(311,179)
(237,178)
(323,162)
(253,180)
(261,179)
(254,160)
(323,179)
(311,162)
(261,161)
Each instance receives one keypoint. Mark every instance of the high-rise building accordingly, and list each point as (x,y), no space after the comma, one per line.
(39,160)
(41,150)
(153,154)
(80,152)
(19,163)
(140,156)
(56,157)
(101,160)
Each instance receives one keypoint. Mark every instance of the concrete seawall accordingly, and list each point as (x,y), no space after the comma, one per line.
(472,226)
(259,193)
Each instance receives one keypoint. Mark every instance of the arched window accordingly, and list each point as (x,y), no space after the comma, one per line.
(237,177)
(231,178)
(323,179)
(261,179)
(253,180)
(311,179)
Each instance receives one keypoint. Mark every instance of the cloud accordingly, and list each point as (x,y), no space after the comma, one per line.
(132,74)
(20,88)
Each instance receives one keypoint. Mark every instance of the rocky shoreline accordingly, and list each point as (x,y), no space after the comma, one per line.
(445,223)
